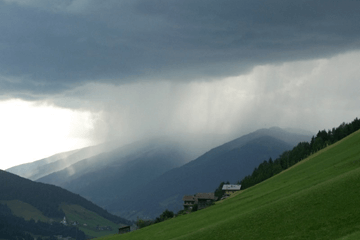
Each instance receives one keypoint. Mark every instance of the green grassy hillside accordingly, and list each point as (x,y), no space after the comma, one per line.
(25,210)
(318,198)
(89,222)
(22,200)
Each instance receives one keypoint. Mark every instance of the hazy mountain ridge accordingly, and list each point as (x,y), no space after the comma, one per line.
(151,167)
(57,162)
(194,146)
(27,170)
(113,159)
(204,174)
(289,137)
(114,175)
(119,181)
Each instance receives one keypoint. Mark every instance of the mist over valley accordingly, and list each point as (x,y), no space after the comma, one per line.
(162,170)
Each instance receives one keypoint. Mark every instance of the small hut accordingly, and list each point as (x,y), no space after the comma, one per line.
(124,229)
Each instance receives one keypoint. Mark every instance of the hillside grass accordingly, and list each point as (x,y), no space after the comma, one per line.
(92,220)
(318,198)
(72,212)
(25,210)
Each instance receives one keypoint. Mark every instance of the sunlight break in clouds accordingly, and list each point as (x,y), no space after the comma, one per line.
(32,131)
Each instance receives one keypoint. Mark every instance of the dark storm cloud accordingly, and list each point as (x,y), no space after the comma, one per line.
(49,47)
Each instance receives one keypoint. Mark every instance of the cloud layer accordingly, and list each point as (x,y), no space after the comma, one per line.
(309,94)
(133,69)
(49,47)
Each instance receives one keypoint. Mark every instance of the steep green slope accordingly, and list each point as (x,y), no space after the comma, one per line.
(316,199)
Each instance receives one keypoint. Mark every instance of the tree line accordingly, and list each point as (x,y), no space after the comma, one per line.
(287,159)
(141,223)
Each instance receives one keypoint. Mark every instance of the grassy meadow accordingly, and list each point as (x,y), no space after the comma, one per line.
(92,220)
(73,213)
(318,198)
(25,210)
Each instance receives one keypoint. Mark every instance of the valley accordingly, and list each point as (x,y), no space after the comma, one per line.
(179,120)
(162,174)
(163,170)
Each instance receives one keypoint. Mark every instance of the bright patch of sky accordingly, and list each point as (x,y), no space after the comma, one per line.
(31,131)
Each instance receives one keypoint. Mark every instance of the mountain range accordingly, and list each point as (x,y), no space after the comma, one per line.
(57,162)
(144,178)
(229,162)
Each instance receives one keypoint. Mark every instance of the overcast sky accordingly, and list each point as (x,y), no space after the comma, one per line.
(79,72)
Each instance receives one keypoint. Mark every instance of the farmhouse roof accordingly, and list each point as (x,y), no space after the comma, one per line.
(124,227)
(205,196)
(188,198)
(234,187)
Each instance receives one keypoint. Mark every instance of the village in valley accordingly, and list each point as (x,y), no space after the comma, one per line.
(75,223)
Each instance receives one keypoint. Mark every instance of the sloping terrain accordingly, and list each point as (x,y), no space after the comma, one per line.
(318,198)
(111,175)
(89,222)
(192,145)
(25,210)
(43,202)
(27,170)
(114,179)
(57,162)
(228,162)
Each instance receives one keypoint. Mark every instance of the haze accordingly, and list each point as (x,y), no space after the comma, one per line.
(80,72)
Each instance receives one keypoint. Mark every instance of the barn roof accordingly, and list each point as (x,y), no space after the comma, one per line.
(205,196)
(234,187)
(188,198)
(124,227)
